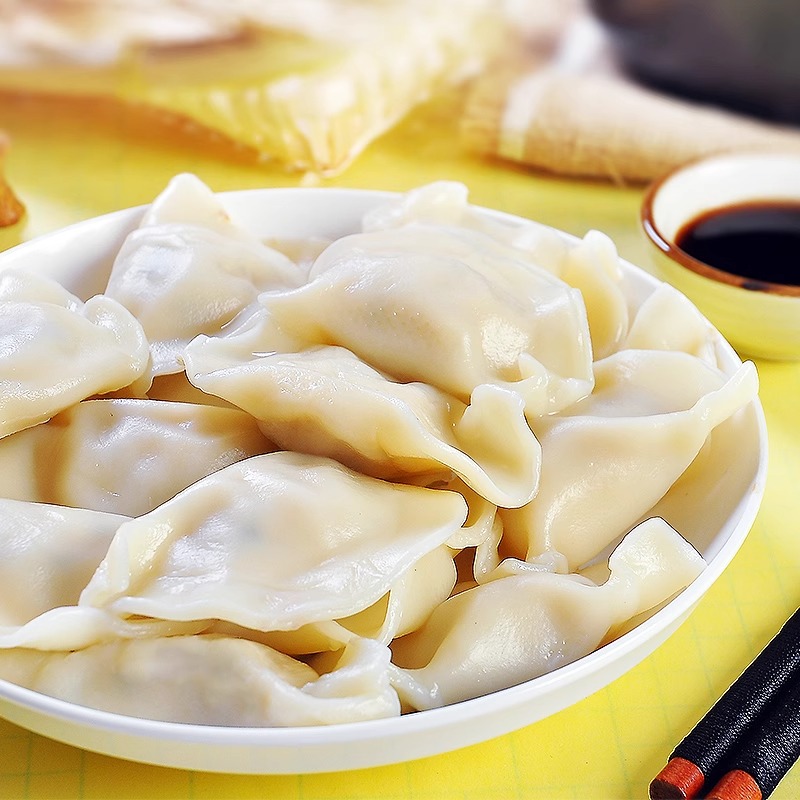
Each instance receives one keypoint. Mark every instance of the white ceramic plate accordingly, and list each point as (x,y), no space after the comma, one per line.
(716,520)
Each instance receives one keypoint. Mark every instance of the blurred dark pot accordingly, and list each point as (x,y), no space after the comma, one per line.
(741,53)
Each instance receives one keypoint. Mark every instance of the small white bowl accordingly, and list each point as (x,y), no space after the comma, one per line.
(80,257)
(759,318)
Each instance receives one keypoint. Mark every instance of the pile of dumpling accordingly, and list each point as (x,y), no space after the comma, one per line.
(288,484)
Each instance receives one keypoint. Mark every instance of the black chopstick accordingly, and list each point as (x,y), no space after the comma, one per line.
(768,752)
(737,720)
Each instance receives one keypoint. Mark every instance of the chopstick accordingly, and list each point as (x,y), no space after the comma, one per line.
(767,754)
(751,736)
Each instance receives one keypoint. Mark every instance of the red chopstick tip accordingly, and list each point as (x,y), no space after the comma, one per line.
(736,785)
(679,780)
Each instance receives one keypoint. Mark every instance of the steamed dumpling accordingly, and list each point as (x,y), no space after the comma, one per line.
(668,320)
(529,622)
(273,543)
(47,556)
(56,350)
(124,456)
(590,265)
(443,307)
(446,204)
(611,457)
(326,401)
(211,680)
(410,601)
(188,269)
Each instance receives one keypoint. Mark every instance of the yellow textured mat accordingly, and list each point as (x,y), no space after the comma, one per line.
(67,165)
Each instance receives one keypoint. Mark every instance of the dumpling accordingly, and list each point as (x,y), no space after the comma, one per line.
(47,555)
(409,602)
(273,543)
(18,286)
(186,200)
(700,503)
(124,456)
(668,320)
(73,627)
(188,269)
(446,204)
(326,401)
(446,307)
(211,680)
(529,622)
(592,266)
(609,458)
(437,203)
(56,350)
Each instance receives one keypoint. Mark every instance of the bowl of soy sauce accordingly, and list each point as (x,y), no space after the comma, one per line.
(726,232)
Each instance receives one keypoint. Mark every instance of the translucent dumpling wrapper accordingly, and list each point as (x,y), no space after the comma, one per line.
(175,388)
(410,601)
(188,269)
(326,401)
(439,202)
(520,626)
(56,350)
(446,203)
(211,680)
(47,555)
(478,540)
(314,637)
(74,627)
(187,200)
(668,320)
(444,306)
(30,287)
(609,458)
(124,456)
(481,519)
(590,265)
(273,543)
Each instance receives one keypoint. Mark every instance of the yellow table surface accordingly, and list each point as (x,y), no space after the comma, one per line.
(67,165)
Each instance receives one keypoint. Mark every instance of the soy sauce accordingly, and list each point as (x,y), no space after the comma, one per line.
(760,241)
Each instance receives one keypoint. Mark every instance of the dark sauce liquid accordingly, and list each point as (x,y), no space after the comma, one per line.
(760,241)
